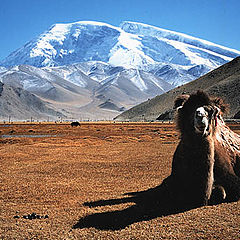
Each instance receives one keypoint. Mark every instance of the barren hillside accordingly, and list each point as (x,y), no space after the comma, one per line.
(223,82)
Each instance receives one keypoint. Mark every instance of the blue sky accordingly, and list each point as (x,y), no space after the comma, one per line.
(215,20)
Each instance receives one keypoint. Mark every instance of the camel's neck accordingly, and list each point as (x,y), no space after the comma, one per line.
(200,148)
(194,140)
(200,152)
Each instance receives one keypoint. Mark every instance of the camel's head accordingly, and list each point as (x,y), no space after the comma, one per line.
(198,113)
(205,119)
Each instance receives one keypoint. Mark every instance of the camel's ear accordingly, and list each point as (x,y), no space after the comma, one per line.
(218,102)
(180,100)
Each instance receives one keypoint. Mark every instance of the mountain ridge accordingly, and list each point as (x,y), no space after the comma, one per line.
(96,70)
(223,82)
(72,90)
(131,45)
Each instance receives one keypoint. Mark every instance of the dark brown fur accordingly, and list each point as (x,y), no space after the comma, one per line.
(203,165)
(75,124)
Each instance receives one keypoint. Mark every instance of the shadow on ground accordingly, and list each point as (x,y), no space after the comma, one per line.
(149,204)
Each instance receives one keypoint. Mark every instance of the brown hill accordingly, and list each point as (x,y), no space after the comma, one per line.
(223,82)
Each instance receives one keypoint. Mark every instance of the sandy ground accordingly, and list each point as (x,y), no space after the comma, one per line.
(80,183)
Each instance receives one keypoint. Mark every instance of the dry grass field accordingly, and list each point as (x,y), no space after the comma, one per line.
(79,182)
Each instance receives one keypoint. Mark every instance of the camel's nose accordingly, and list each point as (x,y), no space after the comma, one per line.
(201,124)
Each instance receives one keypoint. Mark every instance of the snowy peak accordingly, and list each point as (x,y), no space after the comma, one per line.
(177,48)
(70,43)
(65,44)
(148,30)
(131,46)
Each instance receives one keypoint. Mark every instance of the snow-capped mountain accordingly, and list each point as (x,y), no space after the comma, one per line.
(175,57)
(94,70)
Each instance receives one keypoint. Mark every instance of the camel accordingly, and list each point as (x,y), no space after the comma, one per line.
(206,163)
(205,169)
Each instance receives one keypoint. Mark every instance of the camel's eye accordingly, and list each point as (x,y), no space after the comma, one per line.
(201,112)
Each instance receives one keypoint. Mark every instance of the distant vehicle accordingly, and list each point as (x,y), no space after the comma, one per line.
(75,124)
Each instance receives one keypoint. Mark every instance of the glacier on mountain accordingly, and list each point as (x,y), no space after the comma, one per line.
(175,57)
(148,30)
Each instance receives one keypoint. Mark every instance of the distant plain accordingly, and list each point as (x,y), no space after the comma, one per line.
(81,178)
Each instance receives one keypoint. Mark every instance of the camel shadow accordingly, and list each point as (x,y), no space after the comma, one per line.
(149,204)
